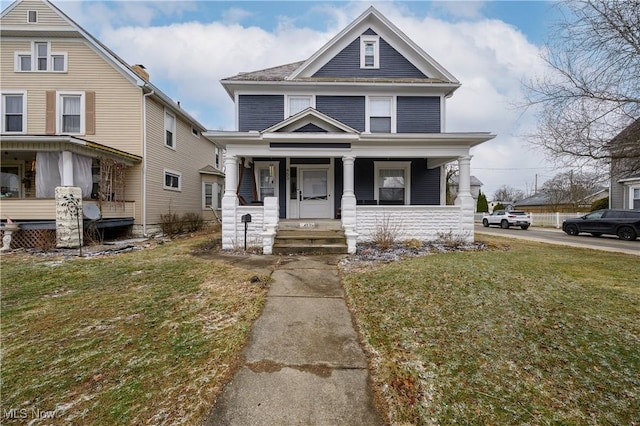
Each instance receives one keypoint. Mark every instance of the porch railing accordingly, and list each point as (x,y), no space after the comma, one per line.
(45,209)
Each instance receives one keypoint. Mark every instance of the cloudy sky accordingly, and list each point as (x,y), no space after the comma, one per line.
(490,46)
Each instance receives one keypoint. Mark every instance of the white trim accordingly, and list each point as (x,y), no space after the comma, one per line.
(34,59)
(383,165)
(59,95)
(173,130)
(29,12)
(258,165)
(631,190)
(174,174)
(370,39)
(216,198)
(22,93)
(195,132)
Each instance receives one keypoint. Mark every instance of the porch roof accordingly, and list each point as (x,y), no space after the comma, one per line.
(65,143)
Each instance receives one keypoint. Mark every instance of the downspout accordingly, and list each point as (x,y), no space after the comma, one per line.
(144,162)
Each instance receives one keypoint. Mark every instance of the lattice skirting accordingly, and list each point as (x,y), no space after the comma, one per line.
(44,239)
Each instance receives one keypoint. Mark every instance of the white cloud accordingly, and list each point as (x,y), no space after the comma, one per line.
(489,57)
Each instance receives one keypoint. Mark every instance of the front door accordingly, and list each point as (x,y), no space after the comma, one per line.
(314,193)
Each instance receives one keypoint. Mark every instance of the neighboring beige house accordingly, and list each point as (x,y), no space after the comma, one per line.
(75,114)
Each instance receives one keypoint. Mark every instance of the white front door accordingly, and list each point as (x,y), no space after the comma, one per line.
(315,194)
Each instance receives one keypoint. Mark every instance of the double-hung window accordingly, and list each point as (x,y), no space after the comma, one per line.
(299,103)
(71,112)
(370,52)
(169,130)
(380,114)
(212,195)
(635,198)
(392,182)
(14,117)
(172,180)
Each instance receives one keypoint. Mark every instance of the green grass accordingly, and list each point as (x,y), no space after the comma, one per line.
(142,337)
(526,334)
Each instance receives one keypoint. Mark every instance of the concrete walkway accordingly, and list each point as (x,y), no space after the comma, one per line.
(303,364)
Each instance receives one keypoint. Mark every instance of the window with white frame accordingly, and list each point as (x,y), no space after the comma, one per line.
(195,132)
(14,112)
(635,198)
(32,16)
(172,180)
(216,162)
(298,103)
(212,195)
(369,51)
(266,175)
(71,115)
(392,182)
(380,114)
(41,59)
(169,129)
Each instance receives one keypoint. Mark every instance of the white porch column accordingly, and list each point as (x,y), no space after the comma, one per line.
(348,212)
(67,169)
(230,203)
(464,198)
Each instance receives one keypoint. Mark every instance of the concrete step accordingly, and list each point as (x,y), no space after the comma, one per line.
(283,249)
(317,224)
(310,239)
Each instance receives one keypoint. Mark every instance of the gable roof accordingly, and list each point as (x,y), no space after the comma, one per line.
(374,20)
(64,26)
(310,116)
(428,71)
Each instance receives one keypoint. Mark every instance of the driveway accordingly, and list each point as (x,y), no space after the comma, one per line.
(556,236)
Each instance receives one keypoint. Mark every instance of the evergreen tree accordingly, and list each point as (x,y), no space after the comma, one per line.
(483,205)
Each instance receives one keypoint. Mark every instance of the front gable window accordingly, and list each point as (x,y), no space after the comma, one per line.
(71,113)
(369,51)
(32,16)
(41,59)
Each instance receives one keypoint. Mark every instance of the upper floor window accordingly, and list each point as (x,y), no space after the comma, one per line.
(195,132)
(169,130)
(380,114)
(32,16)
(298,103)
(14,114)
(369,51)
(41,59)
(71,112)
(217,157)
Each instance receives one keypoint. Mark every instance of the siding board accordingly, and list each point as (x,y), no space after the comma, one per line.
(346,109)
(418,114)
(259,112)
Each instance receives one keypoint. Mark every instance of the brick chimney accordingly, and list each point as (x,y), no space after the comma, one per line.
(141,71)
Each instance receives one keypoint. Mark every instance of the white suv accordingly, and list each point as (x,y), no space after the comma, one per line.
(505,219)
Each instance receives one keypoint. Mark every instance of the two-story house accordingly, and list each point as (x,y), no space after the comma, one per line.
(625,168)
(75,114)
(356,133)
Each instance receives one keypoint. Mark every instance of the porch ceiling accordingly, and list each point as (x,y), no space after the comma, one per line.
(17,143)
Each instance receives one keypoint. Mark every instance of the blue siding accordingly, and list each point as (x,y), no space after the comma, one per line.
(259,112)
(347,64)
(346,109)
(425,183)
(418,114)
(310,128)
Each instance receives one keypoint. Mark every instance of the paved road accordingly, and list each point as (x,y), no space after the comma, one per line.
(556,236)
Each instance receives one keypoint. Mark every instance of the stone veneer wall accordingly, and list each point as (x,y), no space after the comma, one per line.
(425,223)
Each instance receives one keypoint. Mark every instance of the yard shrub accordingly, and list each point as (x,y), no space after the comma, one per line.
(171,224)
(600,204)
(192,221)
(386,233)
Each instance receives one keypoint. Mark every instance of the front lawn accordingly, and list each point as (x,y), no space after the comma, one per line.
(147,337)
(522,333)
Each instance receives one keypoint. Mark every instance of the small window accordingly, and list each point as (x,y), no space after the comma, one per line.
(172,180)
(13,113)
(169,130)
(369,52)
(32,16)
(380,114)
(298,103)
(58,62)
(217,157)
(41,59)
(42,56)
(635,202)
(195,132)
(24,62)
(212,196)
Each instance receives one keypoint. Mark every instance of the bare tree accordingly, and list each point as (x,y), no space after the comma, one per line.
(508,193)
(571,188)
(591,91)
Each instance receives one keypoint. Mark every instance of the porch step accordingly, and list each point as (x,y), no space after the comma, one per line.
(310,239)
(316,224)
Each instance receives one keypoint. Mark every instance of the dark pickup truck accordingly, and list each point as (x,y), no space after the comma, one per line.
(623,223)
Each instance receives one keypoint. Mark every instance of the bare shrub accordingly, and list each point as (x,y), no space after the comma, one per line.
(451,240)
(171,224)
(413,243)
(192,222)
(386,233)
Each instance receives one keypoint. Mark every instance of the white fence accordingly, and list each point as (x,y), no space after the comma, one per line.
(548,220)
